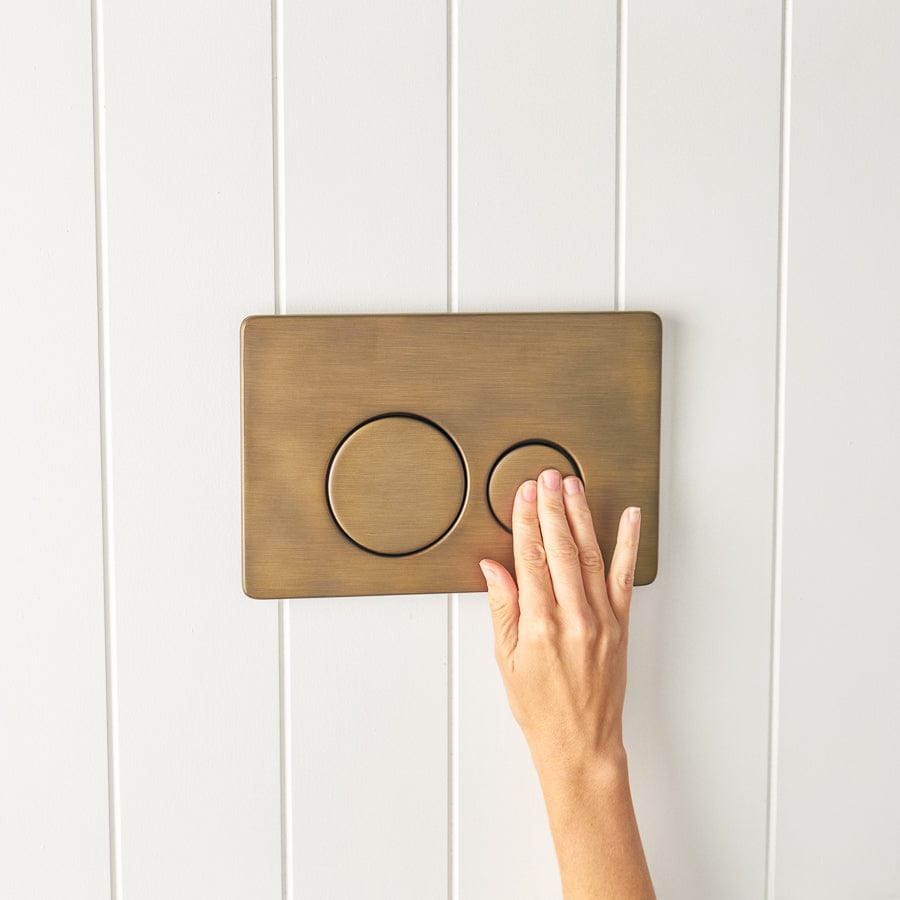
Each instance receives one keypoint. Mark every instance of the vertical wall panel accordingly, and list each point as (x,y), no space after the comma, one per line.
(188,88)
(365,229)
(838,822)
(53,799)
(537,126)
(701,244)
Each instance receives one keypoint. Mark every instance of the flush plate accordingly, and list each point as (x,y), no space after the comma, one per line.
(381,453)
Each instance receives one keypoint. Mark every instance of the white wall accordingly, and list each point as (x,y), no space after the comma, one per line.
(169,168)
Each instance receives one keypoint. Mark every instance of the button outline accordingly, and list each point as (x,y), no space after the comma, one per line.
(526,443)
(453,443)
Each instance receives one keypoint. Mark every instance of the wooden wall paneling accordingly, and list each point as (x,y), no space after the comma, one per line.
(53,772)
(536,231)
(701,247)
(365,230)
(189,154)
(838,798)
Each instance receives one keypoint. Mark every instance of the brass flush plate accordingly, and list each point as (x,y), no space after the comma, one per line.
(381,453)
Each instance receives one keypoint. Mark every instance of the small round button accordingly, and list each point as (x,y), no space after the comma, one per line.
(396,484)
(522,463)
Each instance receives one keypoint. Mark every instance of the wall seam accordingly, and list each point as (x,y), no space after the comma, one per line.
(283,614)
(452,307)
(98,98)
(778,499)
(621,151)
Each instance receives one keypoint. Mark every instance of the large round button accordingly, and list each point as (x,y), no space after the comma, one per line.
(522,463)
(396,484)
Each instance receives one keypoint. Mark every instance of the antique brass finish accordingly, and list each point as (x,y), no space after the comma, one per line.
(520,464)
(396,485)
(369,441)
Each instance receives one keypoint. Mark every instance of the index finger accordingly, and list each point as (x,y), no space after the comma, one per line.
(532,574)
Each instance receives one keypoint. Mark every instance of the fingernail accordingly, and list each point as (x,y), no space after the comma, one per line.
(529,490)
(573,484)
(635,513)
(487,572)
(551,478)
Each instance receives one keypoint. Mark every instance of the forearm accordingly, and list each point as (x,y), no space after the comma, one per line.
(595,831)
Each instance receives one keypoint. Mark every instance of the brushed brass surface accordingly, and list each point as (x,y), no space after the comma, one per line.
(588,383)
(396,485)
(520,464)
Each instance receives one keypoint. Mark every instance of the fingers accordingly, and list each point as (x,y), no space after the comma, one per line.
(561,549)
(621,570)
(593,570)
(503,598)
(532,573)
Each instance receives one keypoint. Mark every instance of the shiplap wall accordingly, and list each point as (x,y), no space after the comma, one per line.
(168,168)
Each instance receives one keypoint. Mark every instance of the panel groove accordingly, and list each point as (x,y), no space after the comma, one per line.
(704,108)
(452,156)
(778,500)
(105,392)
(284,611)
(189,149)
(278,201)
(621,152)
(838,796)
(453,746)
(452,599)
(286,766)
(539,123)
(366,195)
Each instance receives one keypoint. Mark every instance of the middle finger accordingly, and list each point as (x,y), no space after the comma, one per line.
(532,574)
(562,551)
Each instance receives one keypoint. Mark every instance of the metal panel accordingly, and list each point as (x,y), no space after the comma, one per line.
(467,385)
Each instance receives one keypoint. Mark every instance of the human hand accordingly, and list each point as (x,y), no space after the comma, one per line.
(561,639)
(561,634)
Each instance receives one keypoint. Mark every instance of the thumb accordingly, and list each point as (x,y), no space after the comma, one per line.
(503,598)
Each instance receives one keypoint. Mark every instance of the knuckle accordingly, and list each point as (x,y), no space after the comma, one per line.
(583,522)
(496,603)
(581,512)
(582,629)
(541,629)
(563,550)
(625,578)
(553,505)
(610,638)
(592,559)
(533,553)
(525,515)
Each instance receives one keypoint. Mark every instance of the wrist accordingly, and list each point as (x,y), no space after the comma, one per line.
(599,770)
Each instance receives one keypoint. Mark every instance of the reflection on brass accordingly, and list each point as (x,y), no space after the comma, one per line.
(396,485)
(368,441)
(522,464)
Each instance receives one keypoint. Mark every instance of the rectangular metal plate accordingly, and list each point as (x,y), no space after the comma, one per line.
(589,382)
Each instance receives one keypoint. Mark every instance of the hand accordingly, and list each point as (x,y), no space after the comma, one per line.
(561,635)
(560,639)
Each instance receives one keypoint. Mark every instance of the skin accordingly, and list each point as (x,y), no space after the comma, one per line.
(561,640)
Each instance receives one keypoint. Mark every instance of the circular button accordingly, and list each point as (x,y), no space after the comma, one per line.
(522,463)
(396,484)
